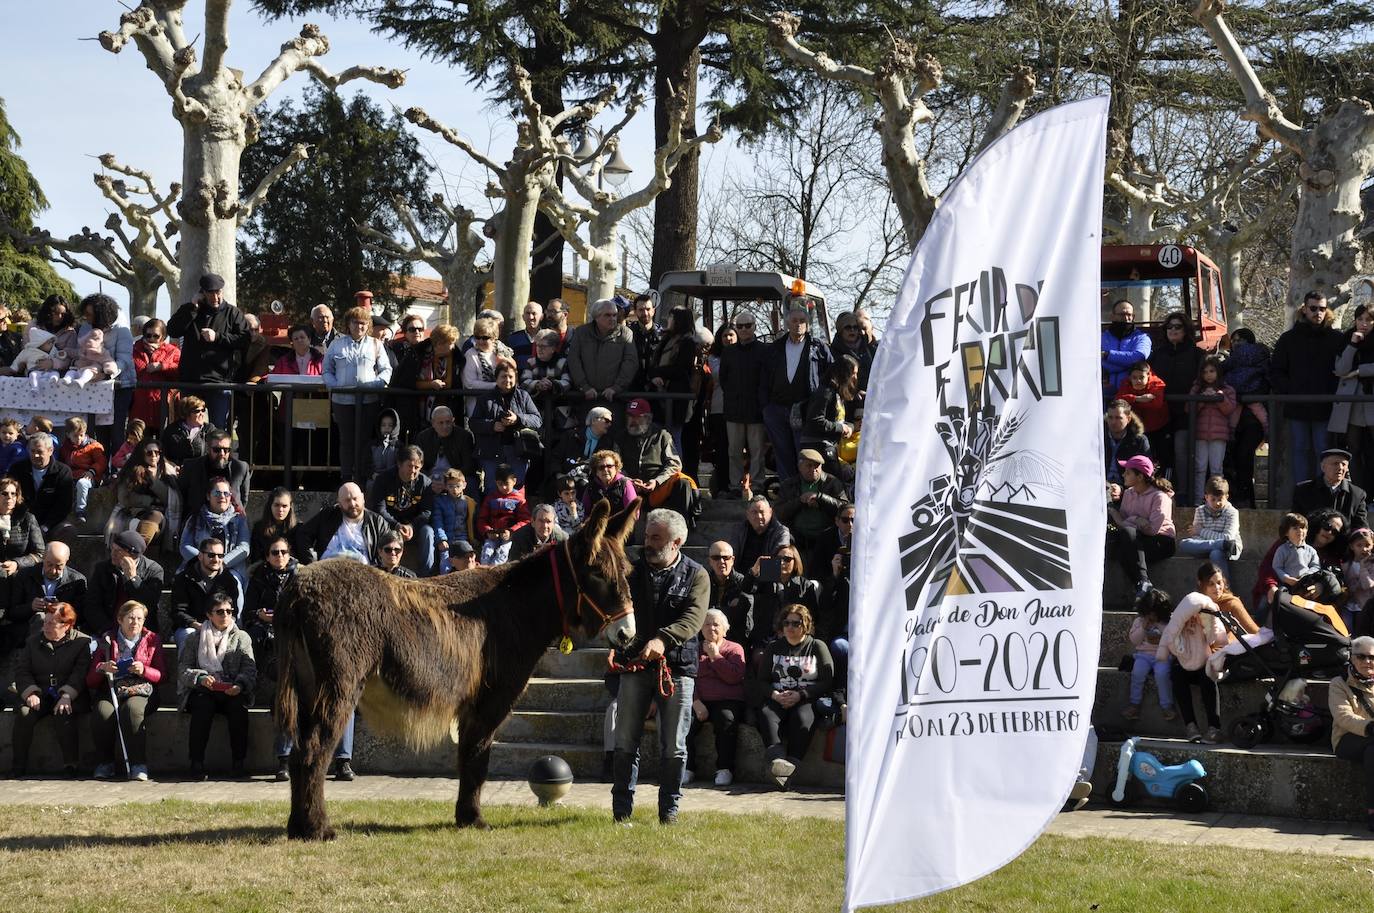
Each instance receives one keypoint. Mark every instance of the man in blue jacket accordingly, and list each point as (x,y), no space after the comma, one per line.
(1122,346)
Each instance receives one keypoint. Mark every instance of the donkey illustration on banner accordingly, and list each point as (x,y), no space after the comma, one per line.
(422,653)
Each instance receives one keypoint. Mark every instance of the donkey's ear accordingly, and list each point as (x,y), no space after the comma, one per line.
(595,528)
(622,524)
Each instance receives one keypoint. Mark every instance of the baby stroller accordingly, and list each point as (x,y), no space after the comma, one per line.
(1313,643)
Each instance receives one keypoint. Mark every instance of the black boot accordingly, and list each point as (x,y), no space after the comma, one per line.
(283,770)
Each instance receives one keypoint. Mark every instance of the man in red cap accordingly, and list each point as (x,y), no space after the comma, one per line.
(652,464)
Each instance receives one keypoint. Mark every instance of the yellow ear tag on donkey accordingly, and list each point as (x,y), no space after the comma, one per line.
(565,645)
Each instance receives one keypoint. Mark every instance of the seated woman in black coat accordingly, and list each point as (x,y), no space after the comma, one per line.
(1124,438)
(50,680)
(265,586)
(498,419)
(825,422)
(770,596)
(795,670)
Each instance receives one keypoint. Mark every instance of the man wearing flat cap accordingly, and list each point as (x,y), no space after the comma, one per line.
(127,574)
(808,502)
(213,336)
(1333,489)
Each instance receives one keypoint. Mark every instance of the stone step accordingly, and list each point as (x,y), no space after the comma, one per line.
(1258,528)
(571,694)
(1289,781)
(708,531)
(1238,699)
(1176,576)
(586,662)
(578,727)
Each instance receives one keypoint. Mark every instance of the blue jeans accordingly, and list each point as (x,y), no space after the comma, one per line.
(1306,441)
(83,494)
(217,404)
(511,459)
(1216,550)
(839,652)
(785,439)
(421,545)
(637,689)
(1144,662)
(283,742)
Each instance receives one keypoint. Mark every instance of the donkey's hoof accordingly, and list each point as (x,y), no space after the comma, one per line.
(296,831)
(479,823)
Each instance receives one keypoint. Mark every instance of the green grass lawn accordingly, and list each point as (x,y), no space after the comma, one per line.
(182,856)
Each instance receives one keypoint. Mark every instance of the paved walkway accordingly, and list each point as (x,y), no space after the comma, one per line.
(1153,826)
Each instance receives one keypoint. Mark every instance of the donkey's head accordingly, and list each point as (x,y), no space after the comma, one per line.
(597,553)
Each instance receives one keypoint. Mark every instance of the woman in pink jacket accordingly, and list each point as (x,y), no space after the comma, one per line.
(718,697)
(1215,420)
(1142,530)
(127,660)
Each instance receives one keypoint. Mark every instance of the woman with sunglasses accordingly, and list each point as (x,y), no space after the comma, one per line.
(1176,360)
(795,672)
(216,673)
(478,368)
(1351,700)
(220,517)
(155,360)
(143,495)
(278,519)
(791,588)
(427,364)
(851,340)
(265,586)
(390,548)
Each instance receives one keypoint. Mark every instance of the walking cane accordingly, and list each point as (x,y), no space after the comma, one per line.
(114,699)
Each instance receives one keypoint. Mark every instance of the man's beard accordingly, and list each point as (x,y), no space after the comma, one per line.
(635,430)
(658,557)
(353,514)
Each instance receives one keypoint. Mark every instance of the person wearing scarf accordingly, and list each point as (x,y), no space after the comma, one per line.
(265,587)
(1351,699)
(216,673)
(222,518)
(1355,368)
(128,659)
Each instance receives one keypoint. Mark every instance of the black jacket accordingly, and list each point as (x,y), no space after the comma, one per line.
(777,388)
(399,502)
(191,592)
(493,404)
(823,550)
(178,447)
(108,589)
(1304,361)
(28,586)
(821,425)
(265,586)
(52,502)
(1348,498)
(770,597)
(522,540)
(457,448)
(675,617)
(729,597)
(210,362)
(314,535)
(741,373)
(194,481)
(749,546)
(1177,366)
(830,498)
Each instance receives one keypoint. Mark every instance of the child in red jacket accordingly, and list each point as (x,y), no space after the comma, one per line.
(1144,390)
(503,511)
(86,458)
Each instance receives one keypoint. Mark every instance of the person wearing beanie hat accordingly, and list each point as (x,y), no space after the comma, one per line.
(1141,532)
(127,574)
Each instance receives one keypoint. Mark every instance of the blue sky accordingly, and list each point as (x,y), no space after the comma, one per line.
(71,100)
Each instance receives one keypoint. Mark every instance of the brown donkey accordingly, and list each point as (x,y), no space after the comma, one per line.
(422,653)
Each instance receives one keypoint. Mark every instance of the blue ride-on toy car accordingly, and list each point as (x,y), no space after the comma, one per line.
(1139,773)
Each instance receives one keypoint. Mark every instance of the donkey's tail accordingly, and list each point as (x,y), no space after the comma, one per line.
(285,709)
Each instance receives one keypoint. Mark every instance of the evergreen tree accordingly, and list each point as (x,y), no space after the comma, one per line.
(26,278)
(302,244)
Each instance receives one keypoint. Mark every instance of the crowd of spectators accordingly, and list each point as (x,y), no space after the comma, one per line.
(509,440)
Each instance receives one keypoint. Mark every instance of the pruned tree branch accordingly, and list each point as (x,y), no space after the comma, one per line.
(299,153)
(422,119)
(1261,107)
(390,77)
(1016,91)
(216,33)
(142,26)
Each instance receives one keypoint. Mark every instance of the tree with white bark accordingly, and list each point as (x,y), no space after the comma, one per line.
(216,111)
(603,209)
(1335,155)
(1235,203)
(456,263)
(110,258)
(899,84)
(519,183)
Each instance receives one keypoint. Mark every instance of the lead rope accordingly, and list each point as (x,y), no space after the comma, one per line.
(665,678)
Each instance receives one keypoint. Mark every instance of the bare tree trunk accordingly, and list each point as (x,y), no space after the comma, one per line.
(677,58)
(214,106)
(546,276)
(510,265)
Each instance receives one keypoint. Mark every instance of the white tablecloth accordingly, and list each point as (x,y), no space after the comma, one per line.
(57,401)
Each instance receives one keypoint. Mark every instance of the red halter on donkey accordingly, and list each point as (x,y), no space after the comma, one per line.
(419,653)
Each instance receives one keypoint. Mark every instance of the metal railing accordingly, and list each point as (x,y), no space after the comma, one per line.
(273,432)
